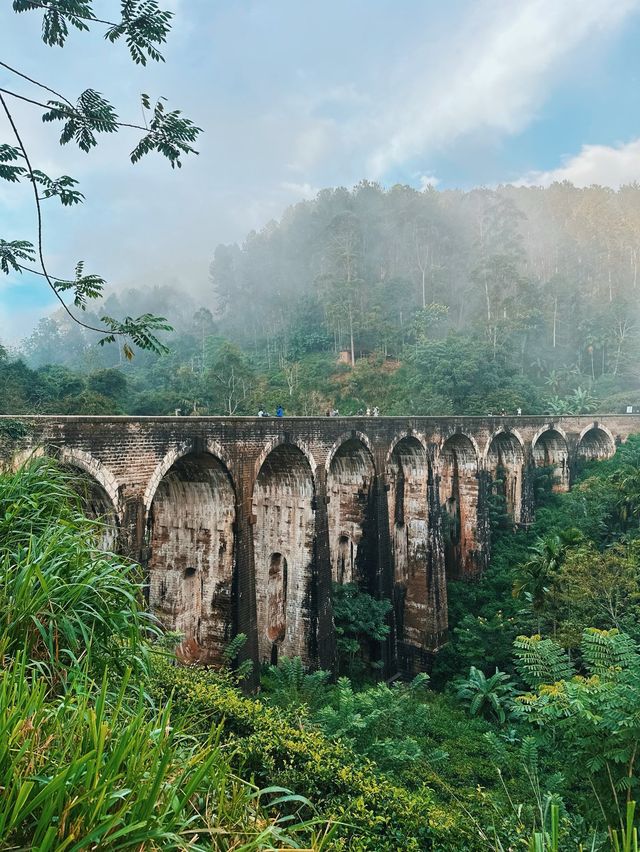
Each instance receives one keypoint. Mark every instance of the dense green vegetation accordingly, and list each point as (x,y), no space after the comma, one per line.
(415,302)
(525,733)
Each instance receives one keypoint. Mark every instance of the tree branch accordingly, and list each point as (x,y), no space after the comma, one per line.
(37,272)
(46,6)
(48,106)
(43,266)
(24,98)
(35,82)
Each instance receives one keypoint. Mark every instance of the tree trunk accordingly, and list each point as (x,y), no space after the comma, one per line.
(353,351)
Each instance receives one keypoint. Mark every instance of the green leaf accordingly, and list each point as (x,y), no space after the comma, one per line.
(92,114)
(61,187)
(13,252)
(9,172)
(139,330)
(169,134)
(58,15)
(84,286)
(144,26)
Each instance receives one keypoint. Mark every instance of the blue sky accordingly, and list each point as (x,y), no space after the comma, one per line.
(295,96)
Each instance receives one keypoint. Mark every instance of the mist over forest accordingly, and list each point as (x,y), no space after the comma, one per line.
(418,302)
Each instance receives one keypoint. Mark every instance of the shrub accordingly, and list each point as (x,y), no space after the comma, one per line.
(360,621)
(374,814)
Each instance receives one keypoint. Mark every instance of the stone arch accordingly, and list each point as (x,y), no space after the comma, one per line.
(284,535)
(85,461)
(504,462)
(98,490)
(190,528)
(407,477)
(458,467)
(278,441)
(352,513)
(161,469)
(354,435)
(23,457)
(550,449)
(595,443)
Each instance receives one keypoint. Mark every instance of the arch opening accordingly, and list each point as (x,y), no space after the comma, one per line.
(595,445)
(550,451)
(96,504)
(505,463)
(352,515)
(192,554)
(284,539)
(459,501)
(408,475)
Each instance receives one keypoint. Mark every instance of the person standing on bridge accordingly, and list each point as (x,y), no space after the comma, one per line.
(279,411)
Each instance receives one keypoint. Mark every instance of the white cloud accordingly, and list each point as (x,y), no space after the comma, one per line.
(495,74)
(595,164)
(425,181)
(311,145)
(300,190)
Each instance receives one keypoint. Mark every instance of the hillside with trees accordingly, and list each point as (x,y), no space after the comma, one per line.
(429,302)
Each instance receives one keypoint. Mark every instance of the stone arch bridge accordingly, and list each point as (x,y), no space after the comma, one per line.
(243,523)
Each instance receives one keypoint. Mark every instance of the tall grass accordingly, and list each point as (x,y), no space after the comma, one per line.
(62,599)
(86,761)
(95,771)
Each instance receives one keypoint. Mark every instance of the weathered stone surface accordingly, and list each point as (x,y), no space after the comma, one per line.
(242,523)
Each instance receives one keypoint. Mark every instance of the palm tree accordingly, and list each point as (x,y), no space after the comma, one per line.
(553,381)
(486,696)
(536,578)
(556,405)
(582,401)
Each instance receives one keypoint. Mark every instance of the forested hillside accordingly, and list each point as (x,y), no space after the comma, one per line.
(418,302)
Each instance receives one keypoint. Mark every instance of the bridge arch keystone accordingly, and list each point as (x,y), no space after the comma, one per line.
(89,464)
(401,436)
(503,430)
(167,462)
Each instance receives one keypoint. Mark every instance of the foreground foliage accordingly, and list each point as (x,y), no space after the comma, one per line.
(86,759)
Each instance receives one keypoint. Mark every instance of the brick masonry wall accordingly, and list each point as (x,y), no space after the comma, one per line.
(241,522)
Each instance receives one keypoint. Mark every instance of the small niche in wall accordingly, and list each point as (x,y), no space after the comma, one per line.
(277,598)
